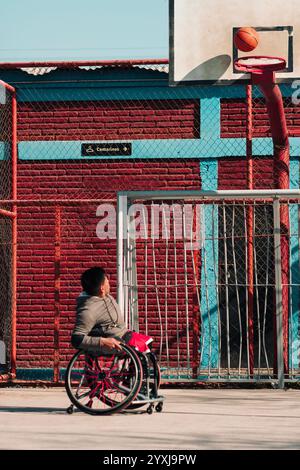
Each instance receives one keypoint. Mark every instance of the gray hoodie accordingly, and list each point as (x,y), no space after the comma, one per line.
(96,317)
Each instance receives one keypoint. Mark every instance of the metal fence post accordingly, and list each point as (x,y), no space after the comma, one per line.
(278,289)
(14,234)
(57,286)
(134,311)
(121,236)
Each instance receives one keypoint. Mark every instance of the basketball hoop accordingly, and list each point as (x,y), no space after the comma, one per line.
(261,67)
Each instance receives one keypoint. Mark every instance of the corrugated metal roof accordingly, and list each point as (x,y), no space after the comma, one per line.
(38,70)
(163,68)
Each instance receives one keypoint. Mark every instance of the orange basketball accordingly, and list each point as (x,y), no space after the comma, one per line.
(246,39)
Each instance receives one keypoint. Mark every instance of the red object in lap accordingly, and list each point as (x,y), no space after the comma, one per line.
(140,342)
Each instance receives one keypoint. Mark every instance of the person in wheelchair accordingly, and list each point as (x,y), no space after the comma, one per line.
(106,375)
(99,324)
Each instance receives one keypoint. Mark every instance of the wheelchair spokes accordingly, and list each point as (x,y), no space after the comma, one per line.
(103,384)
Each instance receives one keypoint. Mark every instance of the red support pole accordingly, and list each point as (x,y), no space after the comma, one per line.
(250,246)
(57,265)
(196,313)
(14,236)
(8,87)
(249,138)
(280,138)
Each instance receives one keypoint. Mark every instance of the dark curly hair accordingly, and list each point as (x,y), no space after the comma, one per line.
(92,279)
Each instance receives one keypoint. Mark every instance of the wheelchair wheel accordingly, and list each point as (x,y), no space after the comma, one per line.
(151,371)
(103,384)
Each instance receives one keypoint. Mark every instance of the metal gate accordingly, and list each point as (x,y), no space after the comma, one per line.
(214,278)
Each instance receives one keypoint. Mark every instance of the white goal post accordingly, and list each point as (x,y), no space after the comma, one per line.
(210,287)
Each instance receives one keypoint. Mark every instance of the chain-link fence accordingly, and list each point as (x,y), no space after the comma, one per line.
(58,244)
(136,116)
(87,131)
(124,118)
(5,143)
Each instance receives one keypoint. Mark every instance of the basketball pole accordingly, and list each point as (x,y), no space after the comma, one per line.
(196,303)
(276,113)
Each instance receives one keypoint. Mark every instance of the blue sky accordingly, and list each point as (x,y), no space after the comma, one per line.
(83,29)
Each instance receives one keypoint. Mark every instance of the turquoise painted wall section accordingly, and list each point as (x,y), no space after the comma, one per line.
(210,128)
(126,90)
(121,91)
(294,340)
(2,151)
(207,147)
(264,146)
(209,341)
(36,374)
(155,148)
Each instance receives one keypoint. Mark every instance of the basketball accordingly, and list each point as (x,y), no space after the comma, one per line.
(246,39)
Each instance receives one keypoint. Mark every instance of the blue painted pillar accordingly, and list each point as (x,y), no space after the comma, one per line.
(209,341)
(2,151)
(294,342)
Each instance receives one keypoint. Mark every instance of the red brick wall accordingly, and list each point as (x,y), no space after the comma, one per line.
(80,247)
(108,120)
(232,173)
(234,115)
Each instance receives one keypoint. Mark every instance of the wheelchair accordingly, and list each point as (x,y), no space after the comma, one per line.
(100,384)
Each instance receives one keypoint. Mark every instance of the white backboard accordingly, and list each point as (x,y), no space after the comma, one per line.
(202,49)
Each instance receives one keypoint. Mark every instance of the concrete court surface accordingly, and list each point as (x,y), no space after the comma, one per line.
(192,419)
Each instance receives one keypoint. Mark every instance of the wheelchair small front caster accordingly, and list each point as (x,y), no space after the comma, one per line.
(159,407)
(150,409)
(70,409)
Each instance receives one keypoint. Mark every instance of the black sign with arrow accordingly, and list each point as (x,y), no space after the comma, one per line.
(106,149)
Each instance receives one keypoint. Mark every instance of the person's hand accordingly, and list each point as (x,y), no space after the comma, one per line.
(111,343)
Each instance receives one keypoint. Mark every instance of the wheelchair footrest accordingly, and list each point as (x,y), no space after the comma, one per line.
(146,401)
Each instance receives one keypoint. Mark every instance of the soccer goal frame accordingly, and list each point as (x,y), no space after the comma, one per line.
(202,348)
